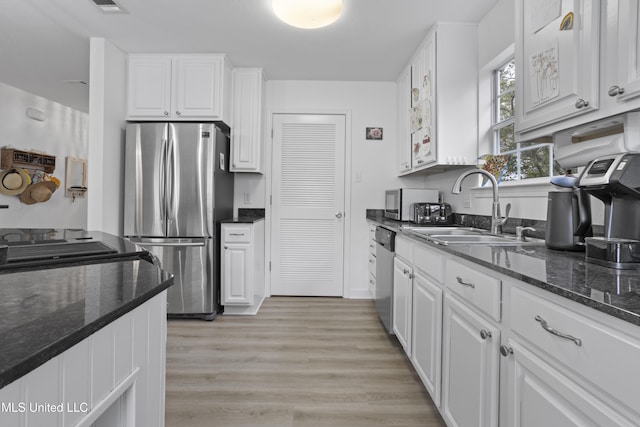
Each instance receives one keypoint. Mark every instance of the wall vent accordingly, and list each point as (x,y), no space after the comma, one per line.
(109,6)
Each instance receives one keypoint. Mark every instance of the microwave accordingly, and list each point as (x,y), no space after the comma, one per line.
(399,202)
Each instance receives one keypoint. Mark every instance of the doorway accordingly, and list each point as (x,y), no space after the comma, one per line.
(307,205)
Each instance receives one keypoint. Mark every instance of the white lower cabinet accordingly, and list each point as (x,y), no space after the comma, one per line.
(542,396)
(567,365)
(470,367)
(402,304)
(493,351)
(427,333)
(242,267)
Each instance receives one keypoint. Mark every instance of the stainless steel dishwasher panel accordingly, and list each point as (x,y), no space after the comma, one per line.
(385,250)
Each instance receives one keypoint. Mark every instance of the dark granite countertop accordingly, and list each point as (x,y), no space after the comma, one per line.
(615,292)
(242,220)
(47,309)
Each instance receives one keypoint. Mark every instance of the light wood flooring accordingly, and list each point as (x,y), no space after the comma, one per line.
(300,362)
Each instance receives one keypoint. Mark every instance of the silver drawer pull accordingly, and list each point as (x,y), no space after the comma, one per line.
(236,234)
(462,282)
(371,261)
(552,331)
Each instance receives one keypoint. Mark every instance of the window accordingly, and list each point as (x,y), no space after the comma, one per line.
(518,160)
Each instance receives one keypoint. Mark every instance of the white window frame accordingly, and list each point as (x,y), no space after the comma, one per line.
(498,125)
(530,188)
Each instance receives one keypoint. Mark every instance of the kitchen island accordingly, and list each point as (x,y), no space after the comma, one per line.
(82,340)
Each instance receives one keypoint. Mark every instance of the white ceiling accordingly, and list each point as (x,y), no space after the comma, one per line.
(44,43)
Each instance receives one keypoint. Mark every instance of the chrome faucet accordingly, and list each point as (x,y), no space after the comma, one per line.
(497,220)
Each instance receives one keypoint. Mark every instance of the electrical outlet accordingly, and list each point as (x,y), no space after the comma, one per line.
(247,198)
(358,176)
(466,200)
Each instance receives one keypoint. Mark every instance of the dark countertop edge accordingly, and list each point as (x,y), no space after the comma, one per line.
(42,356)
(581,299)
(242,220)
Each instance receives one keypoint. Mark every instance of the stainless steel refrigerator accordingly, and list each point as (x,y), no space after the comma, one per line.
(177,190)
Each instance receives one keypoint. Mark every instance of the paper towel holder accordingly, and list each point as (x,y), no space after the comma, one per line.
(76,178)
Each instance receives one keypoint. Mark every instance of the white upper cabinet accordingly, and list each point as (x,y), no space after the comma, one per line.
(179,87)
(246,134)
(557,61)
(441,124)
(623,38)
(404,105)
(585,72)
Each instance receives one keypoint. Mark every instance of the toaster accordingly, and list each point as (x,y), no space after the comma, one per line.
(432,213)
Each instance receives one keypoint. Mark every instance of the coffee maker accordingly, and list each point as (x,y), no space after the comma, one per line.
(615,180)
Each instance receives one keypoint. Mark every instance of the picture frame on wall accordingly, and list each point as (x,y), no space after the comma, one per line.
(374,133)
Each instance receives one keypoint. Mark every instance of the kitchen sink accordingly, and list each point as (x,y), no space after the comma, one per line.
(469,236)
(442,231)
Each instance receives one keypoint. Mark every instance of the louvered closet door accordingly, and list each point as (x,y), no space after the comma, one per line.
(308,205)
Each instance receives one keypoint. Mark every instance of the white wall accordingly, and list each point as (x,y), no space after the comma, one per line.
(107,109)
(368,104)
(64,132)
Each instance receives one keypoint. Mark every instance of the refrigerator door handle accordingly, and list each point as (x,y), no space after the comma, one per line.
(162,179)
(180,242)
(172,185)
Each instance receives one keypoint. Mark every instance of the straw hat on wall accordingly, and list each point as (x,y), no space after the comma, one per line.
(14,181)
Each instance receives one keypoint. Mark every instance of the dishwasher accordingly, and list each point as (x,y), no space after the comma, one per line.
(385,249)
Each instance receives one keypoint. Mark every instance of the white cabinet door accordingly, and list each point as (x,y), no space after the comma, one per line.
(149,86)
(423,142)
(197,87)
(426,340)
(237,286)
(402,296)
(470,373)
(404,136)
(625,84)
(557,58)
(180,87)
(540,396)
(246,134)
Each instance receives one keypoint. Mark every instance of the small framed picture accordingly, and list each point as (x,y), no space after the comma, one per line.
(374,133)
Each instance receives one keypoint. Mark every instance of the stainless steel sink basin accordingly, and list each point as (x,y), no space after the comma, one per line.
(468,236)
(442,231)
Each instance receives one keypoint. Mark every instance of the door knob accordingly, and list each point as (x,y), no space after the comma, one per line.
(339,215)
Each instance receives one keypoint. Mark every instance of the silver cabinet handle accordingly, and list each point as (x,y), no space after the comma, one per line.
(581,103)
(615,90)
(552,331)
(166,113)
(371,281)
(462,282)
(371,261)
(234,165)
(405,272)
(484,334)
(505,351)
(236,234)
(339,215)
(177,113)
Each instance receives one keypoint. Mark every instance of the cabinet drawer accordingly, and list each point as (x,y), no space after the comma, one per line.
(429,261)
(236,234)
(372,246)
(372,265)
(605,357)
(404,248)
(481,290)
(372,232)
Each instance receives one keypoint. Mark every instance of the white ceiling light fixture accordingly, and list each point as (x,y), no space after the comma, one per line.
(308,14)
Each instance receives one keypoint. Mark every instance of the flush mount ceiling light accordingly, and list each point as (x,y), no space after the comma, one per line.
(308,14)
